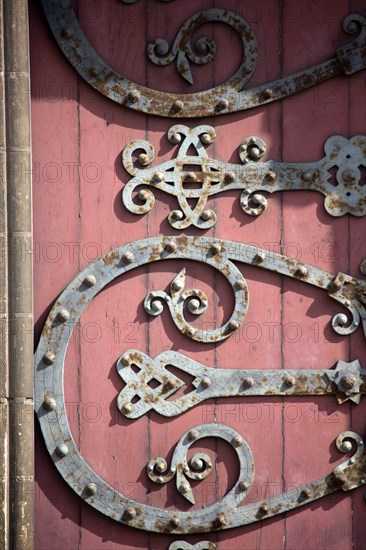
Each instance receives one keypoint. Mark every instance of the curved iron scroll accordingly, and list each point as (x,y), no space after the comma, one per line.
(344,195)
(225,98)
(51,409)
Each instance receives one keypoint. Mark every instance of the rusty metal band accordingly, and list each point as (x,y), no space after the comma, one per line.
(225,98)
(339,176)
(347,382)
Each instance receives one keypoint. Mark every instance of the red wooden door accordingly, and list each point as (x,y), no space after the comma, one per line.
(79,216)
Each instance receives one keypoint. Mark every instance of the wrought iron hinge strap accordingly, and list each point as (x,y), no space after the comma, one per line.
(347,381)
(346,194)
(222,99)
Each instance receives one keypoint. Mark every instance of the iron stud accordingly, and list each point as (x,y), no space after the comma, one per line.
(289,380)
(170,246)
(175,138)
(230,177)
(207,138)
(128,257)
(346,447)
(158,177)
(89,281)
(259,257)
(127,408)
(49,358)
(177,215)
(301,271)
(248,382)
(126,359)
(215,248)
(143,159)
(190,332)
(133,96)
(267,93)
(178,106)
(207,215)
(129,513)
(62,450)
(49,403)
(237,441)
(91,489)
(193,435)
(222,104)
(206,382)
(63,315)
(233,325)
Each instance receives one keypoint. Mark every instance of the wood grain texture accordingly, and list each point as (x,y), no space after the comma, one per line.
(79,216)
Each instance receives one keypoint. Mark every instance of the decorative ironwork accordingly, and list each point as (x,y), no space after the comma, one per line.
(344,190)
(347,382)
(197,304)
(225,98)
(183,545)
(200,465)
(181,50)
(224,514)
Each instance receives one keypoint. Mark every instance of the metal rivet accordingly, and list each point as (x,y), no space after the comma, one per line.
(143,194)
(160,467)
(271,175)
(290,380)
(191,176)
(230,177)
(347,303)
(206,382)
(259,257)
(177,215)
(128,257)
(221,521)
(49,403)
(237,441)
(193,305)
(346,447)
(143,159)
(301,271)
(129,513)
(222,104)
(158,177)
(342,319)
(170,246)
(66,32)
(248,382)
(190,332)
(351,461)
(193,435)
(49,358)
(240,284)
(175,138)
(215,248)
(233,325)
(258,199)
(254,153)
(178,105)
(63,315)
(133,96)
(89,281)
(264,509)
(307,176)
(197,463)
(305,494)
(127,408)
(243,486)
(334,286)
(267,93)
(91,489)
(94,71)
(184,488)
(174,523)
(62,450)
(207,138)
(207,215)
(126,359)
